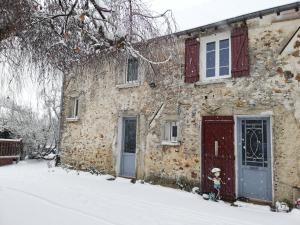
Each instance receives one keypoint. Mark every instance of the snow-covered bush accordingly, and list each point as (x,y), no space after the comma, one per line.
(38,133)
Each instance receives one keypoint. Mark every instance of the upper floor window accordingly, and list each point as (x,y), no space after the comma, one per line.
(132,70)
(222,55)
(215,60)
(74,108)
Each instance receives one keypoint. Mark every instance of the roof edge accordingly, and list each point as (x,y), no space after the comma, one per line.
(260,13)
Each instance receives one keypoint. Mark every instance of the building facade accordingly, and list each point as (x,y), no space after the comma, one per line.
(229,97)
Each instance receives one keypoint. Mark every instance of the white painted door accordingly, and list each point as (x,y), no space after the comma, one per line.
(254,159)
(128,147)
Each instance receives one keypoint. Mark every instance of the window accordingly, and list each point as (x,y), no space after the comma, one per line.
(132,70)
(211,59)
(74,108)
(224,57)
(171,132)
(216,56)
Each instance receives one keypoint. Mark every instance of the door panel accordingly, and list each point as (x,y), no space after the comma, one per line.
(128,147)
(254,159)
(218,151)
(129,135)
(253,186)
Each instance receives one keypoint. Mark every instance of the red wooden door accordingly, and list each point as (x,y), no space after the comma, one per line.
(218,151)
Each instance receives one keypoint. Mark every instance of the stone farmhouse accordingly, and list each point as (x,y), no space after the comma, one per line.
(229,97)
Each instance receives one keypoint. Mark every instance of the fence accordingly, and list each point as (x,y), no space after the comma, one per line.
(10,150)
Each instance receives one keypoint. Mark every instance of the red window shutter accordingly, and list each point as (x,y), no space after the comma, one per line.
(239,52)
(191,60)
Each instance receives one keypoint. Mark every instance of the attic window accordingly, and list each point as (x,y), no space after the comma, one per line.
(132,70)
(74,108)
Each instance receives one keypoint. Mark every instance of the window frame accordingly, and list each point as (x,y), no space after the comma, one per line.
(169,124)
(203,42)
(127,71)
(74,108)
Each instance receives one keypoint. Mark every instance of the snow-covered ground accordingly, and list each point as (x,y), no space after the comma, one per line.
(33,194)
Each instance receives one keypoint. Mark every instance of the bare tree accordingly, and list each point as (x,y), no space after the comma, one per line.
(36,121)
(51,96)
(38,38)
(37,130)
(61,32)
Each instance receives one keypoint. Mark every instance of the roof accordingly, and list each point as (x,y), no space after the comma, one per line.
(244,17)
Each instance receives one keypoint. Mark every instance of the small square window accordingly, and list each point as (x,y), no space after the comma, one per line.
(171,131)
(74,108)
(132,70)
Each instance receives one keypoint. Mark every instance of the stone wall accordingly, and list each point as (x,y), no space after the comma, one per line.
(272,89)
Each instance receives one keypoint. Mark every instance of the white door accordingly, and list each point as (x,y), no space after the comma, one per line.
(128,147)
(254,159)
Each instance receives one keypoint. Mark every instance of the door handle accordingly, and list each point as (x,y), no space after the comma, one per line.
(216,148)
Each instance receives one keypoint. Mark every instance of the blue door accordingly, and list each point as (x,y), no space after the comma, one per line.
(254,159)
(128,147)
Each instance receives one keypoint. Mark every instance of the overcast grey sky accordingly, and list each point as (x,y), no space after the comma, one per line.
(193,13)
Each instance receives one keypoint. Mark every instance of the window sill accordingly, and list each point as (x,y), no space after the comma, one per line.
(209,82)
(128,85)
(72,119)
(168,143)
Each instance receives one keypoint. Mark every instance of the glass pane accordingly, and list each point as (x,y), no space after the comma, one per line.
(71,108)
(211,46)
(130,135)
(265,141)
(224,71)
(132,73)
(243,143)
(174,131)
(135,70)
(210,59)
(167,132)
(254,144)
(210,72)
(224,57)
(224,43)
(76,107)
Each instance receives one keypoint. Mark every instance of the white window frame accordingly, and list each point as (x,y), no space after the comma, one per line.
(126,74)
(171,139)
(214,38)
(75,109)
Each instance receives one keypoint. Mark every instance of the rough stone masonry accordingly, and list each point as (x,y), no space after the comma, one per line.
(272,89)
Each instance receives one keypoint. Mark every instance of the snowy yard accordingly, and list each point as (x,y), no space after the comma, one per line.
(33,194)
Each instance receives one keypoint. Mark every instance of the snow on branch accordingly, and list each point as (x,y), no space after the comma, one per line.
(59,33)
